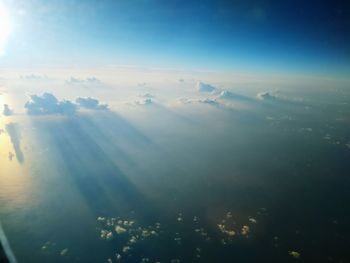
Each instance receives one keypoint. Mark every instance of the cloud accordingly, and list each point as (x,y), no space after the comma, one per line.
(48,104)
(145,99)
(32,77)
(266,95)
(7,111)
(90,103)
(204,101)
(203,87)
(228,95)
(142,84)
(89,80)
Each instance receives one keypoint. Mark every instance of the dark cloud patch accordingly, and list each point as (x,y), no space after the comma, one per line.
(91,103)
(10,156)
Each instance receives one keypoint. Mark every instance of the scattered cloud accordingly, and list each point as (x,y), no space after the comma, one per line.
(7,111)
(294,254)
(64,252)
(203,87)
(90,103)
(32,77)
(145,99)
(228,95)
(89,80)
(204,101)
(266,95)
(48,104)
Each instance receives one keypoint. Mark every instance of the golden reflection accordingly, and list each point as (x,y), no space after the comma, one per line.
(14,176)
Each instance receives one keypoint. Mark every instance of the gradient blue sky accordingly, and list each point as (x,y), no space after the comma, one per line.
(297,36)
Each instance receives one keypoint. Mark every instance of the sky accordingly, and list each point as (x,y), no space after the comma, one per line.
(155,111)
(275,36)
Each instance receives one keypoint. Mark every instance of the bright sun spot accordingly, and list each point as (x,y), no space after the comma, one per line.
(5,27)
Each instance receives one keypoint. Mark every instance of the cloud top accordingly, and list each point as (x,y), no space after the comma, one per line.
(48,104)
(90,103)
(266,95)
(203,87)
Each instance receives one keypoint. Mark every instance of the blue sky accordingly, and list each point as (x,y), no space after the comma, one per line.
(217,35)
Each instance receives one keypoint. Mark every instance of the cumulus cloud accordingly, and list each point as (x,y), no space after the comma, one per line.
(203,87)
(90,103)
(49,104)
(7,111)
(89,80)
(266,95)
(145,99)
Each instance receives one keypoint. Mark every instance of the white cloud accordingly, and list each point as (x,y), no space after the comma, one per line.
(266,95)
(203,101)
(228,95)
(32,77)
(204,87)
(90,103)
(89,80)
(49,104)
(145,99)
